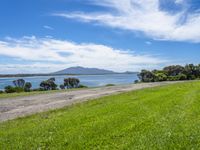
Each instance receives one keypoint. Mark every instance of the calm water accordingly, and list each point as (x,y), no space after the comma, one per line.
(88,80)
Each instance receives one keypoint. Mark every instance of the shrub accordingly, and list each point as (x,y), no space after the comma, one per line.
(110,84)
(1,92)
(160,77)
(182,76)
(19,83)
(48,84)
(71,82)
(173,78)
(136,81)
(146,76)
(27,87)
(10,89)
(62,87)
(18,89)
(82,86)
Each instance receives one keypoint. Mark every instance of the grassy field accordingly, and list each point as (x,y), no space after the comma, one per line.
(166,117)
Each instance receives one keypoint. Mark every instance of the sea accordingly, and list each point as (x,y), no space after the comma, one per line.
(88,80)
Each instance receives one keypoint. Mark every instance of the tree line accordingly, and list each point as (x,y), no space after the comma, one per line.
(171,73)
(20,85)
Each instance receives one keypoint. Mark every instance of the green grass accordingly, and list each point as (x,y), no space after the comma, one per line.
(166,117)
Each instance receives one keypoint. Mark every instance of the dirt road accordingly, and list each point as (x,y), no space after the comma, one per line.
(11,108)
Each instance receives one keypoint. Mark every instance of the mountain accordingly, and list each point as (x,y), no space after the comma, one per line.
(84,71)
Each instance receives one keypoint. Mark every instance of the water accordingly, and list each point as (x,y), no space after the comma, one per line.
(88,80)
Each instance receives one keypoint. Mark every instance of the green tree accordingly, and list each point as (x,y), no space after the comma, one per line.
(173,70)
(19,83)
(27,87)
(146,76)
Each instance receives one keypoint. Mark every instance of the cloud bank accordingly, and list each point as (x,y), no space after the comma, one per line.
(145,16)
(48,54)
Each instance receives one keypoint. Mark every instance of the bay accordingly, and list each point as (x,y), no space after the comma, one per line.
(88,80)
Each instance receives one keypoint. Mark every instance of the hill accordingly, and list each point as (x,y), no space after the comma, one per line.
(84,71)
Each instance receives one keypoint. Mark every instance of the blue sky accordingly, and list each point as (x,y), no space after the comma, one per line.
(45,36)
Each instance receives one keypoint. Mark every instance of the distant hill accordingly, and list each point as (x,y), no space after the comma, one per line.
(72,71)
(84,71)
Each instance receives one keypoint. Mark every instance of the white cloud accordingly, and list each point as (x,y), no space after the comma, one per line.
(145,16)
(48,27)
(54,54)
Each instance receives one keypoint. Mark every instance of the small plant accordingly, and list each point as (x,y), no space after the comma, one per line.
(27,87)
(62,87)
(10,89)
(1,92)
(136,81)
(48,84)
(110,84)
(82,86)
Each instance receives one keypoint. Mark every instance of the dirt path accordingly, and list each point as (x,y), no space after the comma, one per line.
(11,108)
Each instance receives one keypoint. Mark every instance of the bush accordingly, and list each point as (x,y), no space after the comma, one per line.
(1,92)
(10,89)
(18,89)
(19,83)
(160,77)
(146,76)
(48,84)
(71,83)
(182,77)
(62,87)
(27,87)
(173,78)
(82,86)
(110,84)
(136,81)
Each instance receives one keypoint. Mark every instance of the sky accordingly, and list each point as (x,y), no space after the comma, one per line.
(43,36)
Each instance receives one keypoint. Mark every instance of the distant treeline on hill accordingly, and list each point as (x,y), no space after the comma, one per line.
(171,73)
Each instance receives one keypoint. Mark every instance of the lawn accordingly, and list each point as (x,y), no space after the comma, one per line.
(166,117)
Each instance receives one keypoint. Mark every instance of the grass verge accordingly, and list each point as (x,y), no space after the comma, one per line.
(166,117)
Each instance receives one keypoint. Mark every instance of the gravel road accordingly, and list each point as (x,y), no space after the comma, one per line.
(11,108)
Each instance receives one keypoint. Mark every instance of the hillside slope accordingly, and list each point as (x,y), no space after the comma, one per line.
(84,71)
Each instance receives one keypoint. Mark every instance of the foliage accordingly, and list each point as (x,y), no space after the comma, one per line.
(146,76)
(71,83)
(1,92)
(136,81)
(22,86)
(27,87)
(82,86)
(161,118)
(19,83)
(110,84)
(48,84)
(171,73)
(62,87)
(10,89)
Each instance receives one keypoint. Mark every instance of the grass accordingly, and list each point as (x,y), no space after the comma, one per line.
(166,117)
